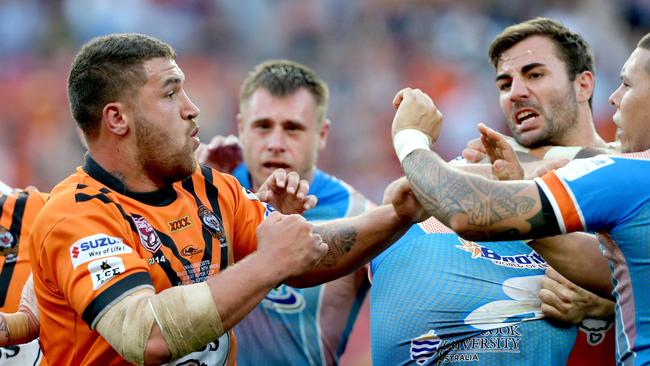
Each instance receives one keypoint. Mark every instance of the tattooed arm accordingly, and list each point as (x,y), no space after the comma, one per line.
(353,242)
(475,207)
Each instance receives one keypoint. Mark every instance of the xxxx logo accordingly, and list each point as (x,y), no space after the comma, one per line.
(179,224)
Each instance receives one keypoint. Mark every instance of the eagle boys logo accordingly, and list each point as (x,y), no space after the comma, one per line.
(148,236)
(7,242)
(212,223)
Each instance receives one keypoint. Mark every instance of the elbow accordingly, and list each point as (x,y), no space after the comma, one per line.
(156,351)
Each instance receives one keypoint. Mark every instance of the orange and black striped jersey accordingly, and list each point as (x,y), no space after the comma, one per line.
(17,213)
(95,242)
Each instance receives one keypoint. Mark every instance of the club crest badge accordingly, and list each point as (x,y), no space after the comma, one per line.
(212,223)
(7,242)
(148,236)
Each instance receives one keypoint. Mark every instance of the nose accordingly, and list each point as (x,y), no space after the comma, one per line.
(614,99)
(518,90)
(189,110)
(275,141)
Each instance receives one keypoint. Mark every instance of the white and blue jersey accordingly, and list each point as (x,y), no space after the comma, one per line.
(610,195)
(437,298)
(309,326)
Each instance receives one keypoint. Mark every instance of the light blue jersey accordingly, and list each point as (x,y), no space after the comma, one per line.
(437,298)
(307,326)
(611,196)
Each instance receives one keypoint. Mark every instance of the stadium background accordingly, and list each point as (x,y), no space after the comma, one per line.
(365,50)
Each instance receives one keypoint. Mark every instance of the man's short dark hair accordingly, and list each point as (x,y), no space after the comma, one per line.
(108,69)
(282,78)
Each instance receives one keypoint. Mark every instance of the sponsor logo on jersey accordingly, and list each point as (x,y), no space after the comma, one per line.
(527,261)
(424,347)
(581,167)
(595,329)
(96,246)
(103,270)
(179,224)
(284,299)
(268,210)
(212,223)
(148,236)
(452,349)
(8,246)
(190,250)
(250,195)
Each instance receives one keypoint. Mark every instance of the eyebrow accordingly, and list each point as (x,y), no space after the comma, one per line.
(525,69)
(174,80)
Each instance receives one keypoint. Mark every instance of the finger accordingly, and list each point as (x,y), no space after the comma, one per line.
(303,188)
(555,275)
(550,298)
(216,141)
(551,312)
(475,144)
(310,202)
(490,151)
(473,156)
(232,140)
(397,100)
(263,195)
(279,177)
(562,292)
(293,179)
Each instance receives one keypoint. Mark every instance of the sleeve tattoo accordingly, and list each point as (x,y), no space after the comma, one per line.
(445,193)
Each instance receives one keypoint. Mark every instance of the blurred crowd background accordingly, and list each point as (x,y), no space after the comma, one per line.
(366,50)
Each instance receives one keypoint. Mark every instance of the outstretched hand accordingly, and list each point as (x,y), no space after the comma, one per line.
(223,153)
(286,192)
(505,164)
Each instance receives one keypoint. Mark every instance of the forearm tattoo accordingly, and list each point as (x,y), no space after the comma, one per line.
(340,238)
(445,193)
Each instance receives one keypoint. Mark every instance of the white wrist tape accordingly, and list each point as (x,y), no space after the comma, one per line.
(405,141)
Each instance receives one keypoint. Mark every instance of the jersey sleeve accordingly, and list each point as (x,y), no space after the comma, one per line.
(248,212)
(90,258)
(587,194)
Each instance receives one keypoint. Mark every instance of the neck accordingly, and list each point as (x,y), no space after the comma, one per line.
(584,134)
(120,162)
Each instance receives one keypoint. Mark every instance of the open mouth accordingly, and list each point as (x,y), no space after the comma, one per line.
(276,165)
(524,116)
(194,132)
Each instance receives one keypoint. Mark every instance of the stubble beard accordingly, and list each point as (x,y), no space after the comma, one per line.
(159,163)
(558,124)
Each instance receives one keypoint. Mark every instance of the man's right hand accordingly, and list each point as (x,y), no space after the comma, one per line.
(290,243)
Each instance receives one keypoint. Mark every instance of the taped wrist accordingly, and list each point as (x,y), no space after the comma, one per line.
(408,140)
(187,317)
(22,327)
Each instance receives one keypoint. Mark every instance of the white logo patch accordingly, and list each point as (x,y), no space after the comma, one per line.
(96,246)
(103,270)
(250,195)
(580,167)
